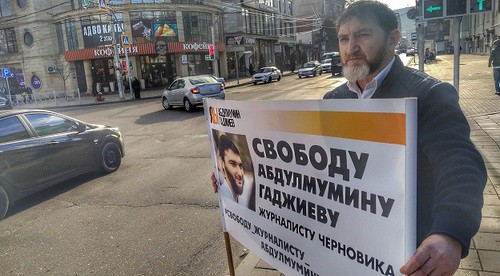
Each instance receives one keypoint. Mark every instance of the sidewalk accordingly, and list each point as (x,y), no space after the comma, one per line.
(482,108)
(113,97)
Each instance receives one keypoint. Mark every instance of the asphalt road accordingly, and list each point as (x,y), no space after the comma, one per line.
(156,215)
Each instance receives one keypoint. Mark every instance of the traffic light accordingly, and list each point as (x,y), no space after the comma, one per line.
(130,65)
(124,65)
(456,7)
(211,51)
(432,9)
(478,6)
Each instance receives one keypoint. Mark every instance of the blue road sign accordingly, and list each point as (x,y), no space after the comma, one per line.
(6,73)
(103,5)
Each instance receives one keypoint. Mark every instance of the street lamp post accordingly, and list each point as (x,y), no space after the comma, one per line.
(118,71)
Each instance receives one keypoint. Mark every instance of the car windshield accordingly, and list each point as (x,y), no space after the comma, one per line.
(328,60)
(309,65)
(265,70)
(203,79)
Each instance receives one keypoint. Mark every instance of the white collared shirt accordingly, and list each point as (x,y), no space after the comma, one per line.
(372,86)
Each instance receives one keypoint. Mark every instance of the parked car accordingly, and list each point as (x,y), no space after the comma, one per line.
(411,52)
(41,148)
(266,75)
(219,80)
(326,65)
(311,68)
(336,65)
(329,55)
(4,102)
(189,92)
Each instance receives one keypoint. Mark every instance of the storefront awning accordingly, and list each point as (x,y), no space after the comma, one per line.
(139,50)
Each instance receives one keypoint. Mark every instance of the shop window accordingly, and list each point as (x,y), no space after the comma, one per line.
(197,65)
(71,35)
(8,42)
(197,26)
(5,8)
(151,25)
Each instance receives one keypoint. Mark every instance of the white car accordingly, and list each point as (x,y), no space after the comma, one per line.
(266,75)
(326,65)
(190,91)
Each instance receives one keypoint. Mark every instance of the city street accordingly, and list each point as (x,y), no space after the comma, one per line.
(157,215)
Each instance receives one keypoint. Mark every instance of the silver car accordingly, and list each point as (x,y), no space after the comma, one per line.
(190,91)
(266,75)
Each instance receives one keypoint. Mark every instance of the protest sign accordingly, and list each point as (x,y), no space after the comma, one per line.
(318,187)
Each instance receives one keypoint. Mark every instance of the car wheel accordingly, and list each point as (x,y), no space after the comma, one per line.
(300,77)
(314,74)
(111,157)
(4,202)
(269,80)
(187,105)
(165,103)
(279,78)
(254,83)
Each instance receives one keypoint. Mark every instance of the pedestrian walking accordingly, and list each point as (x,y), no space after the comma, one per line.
(495,59)
(136,87)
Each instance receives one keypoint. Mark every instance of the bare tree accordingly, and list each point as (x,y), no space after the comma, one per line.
(62,68)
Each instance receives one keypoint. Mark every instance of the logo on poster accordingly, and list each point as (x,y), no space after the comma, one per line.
(224,116)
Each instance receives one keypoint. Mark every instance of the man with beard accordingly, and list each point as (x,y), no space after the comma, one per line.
(233,171)
(450,171)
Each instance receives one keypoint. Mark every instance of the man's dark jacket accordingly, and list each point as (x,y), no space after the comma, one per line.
(495,57)
(450,171)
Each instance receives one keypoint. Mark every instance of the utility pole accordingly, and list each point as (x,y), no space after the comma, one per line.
(215,64)
(118,71)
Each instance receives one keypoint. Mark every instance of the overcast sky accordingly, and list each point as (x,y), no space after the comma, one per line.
(398,4)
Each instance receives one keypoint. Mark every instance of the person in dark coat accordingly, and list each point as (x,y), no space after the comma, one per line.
(251,70)
(451,174)
(136,87)
(495,60)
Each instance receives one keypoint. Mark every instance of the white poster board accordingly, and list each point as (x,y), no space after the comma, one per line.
(318,187)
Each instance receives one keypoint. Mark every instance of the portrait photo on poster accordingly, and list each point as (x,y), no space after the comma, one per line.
(234,172)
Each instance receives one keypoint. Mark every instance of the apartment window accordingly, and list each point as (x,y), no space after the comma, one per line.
(77,4)
(147,1)
(290,7)
(197,26)
(71,35)
(8,42)
(22,3)
(60,38)
(28,39)
(5,8)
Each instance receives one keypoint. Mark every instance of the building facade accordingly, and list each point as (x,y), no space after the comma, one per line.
(478,31)
(258,32)
(63,45)
(316,30)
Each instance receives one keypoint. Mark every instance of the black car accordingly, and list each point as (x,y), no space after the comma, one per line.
(336,65)
(41,148)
